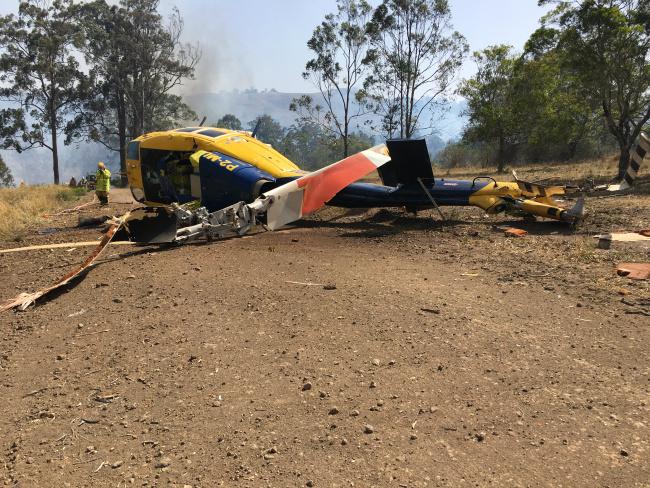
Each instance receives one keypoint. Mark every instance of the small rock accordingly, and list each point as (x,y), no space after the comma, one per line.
(272,450)
(624,453)
(413,437)
(392,362)
(306,386)
(354,413)
(479,436)
(117,464)
(268,457)
(333,411)
(368,429)
(373,384)
(60,357)
(117,300)
(164,462)
(376,362)
(329,286)
(309,483)
(344,441)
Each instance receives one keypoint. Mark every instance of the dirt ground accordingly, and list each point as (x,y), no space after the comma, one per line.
(356,349)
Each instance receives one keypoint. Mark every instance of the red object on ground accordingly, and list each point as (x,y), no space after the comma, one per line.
(634,271)
(513,231)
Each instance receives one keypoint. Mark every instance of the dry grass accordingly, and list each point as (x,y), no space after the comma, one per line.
(22,208)
(599,169)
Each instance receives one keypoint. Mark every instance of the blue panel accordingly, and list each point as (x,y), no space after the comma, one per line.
(445,192)
(226,180)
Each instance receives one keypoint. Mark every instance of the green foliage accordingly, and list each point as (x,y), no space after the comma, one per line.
(6,178)
(309,146)
(39,75)
(528,107)
(269,130)
(605,46)
(491,101)
(229,121)
(136,60)
(338,70)
(459,154)
(415,55)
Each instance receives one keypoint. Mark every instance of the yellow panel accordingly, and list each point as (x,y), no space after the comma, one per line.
(235,144)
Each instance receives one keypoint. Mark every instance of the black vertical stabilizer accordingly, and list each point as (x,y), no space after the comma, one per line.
(409,161)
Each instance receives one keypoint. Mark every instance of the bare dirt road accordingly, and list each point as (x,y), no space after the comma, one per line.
(374,349)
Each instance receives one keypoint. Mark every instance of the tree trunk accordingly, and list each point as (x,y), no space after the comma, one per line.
(121,129)
(55,149)
(501,156)
(623,160)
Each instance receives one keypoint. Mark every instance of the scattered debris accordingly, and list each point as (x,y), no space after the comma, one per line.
(305,284)
(605,240)
(432,310)
(514,232)
(72,210)
(634,271)
(85,221)
(24,300)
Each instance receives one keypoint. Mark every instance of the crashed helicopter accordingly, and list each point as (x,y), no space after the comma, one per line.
(207,183)
(204,182)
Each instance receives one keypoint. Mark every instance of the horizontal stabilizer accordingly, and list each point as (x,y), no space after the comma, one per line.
(536,189)
(409,161)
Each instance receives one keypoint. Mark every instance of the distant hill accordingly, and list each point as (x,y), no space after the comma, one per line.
(248,104)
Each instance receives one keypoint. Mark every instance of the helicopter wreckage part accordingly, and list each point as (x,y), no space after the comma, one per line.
(541,209)
(24,300)
(282,205)
(152,225)
(637,155)
(309,193)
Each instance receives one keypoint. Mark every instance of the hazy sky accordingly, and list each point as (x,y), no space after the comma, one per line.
(262,43)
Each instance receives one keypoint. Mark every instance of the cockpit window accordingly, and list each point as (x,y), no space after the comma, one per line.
(133,150)
(212,133)
(188,129)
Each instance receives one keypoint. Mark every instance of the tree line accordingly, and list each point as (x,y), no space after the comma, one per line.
(106,73)
(580,86)
(90,71)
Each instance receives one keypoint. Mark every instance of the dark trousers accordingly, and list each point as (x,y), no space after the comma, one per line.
(102,196)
